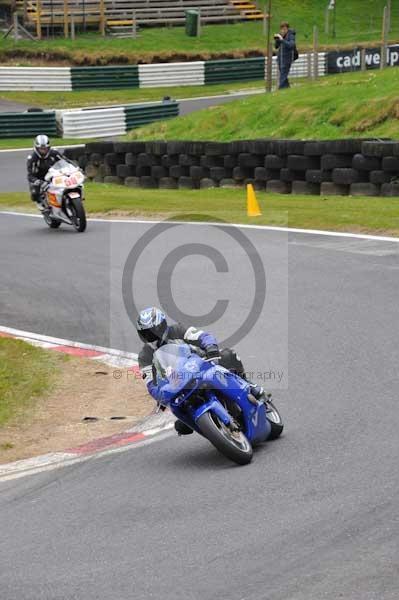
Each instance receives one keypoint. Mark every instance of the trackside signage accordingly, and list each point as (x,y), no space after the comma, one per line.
(350,60)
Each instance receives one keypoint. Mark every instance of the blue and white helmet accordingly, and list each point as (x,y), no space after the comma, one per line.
(151,325)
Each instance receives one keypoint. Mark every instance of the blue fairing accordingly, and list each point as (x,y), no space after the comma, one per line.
(191,386)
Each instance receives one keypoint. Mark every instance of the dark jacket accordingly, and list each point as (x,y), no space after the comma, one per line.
(286,49)
(190,335)
(38,167)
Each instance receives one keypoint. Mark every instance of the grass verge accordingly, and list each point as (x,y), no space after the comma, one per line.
(357,21)
(15,143)
(26,374)
(338,213)
(353,104)
(84,98)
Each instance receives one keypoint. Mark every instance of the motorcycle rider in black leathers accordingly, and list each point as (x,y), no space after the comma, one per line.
(39,162)
(154,331)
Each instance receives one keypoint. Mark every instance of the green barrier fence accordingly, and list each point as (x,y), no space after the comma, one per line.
(138,115)
(225,71)
(85,78)
(21,125)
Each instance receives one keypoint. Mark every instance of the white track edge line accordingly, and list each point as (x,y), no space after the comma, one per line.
(70,343)
(155,437)
(360,236)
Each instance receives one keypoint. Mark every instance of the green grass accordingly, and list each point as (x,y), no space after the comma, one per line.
(357,20)
(26,374)
(354,214)
(15,143)
(84,98)
(350,105)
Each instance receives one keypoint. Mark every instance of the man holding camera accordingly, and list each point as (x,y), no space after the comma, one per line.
(287,52)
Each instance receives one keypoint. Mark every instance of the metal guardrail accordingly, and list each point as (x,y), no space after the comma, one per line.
(20,125)
(102,122)
(147,76)
(225,71)
(172,74)
(35,78)
(138,115)
(303,67)
(84,78)
(113,121)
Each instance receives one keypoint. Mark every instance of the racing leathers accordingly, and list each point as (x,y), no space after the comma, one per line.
(195,337)
(38,167)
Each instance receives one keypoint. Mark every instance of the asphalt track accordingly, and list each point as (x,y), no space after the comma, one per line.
(315,516)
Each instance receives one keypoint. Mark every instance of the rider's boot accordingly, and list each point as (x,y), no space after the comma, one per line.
(182,428)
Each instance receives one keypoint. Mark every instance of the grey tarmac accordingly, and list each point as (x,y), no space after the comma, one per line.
(315,516)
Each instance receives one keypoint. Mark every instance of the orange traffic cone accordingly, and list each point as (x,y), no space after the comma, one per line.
(253,209)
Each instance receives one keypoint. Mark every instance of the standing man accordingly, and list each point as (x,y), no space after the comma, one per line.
(287,52)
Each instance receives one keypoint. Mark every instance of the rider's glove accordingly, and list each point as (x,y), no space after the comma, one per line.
(212,352)
(37,182)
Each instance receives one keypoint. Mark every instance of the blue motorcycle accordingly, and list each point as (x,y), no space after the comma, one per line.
(214,402)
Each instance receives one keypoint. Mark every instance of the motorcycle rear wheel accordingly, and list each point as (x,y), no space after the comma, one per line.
(52,223)
(233,445)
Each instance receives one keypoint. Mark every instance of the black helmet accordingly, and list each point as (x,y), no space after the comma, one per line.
(42,146)
(151,325)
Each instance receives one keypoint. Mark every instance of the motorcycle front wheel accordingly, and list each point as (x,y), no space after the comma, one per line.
(232,444)
(275,420)
(77,214)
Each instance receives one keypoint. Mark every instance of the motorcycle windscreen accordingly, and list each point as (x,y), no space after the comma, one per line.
(177,364)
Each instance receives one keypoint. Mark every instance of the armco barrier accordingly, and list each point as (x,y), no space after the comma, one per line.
(113,121)
(339,167)
(104,122)
(226,71)
(84,78)
(146,76)
(137,115)
(35,78)
(20,125)
(172,74)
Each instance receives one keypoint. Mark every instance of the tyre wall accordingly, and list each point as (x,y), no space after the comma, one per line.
(339,167)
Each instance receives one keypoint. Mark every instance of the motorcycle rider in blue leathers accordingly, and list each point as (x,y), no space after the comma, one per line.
(154,331)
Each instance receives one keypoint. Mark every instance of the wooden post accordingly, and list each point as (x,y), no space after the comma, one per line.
(309,64)
(264,21)
(199,25)
(15,26)
(25,12)
(66,25)
(72,27)
(383,62)
(134,24)
(363,59)
(335,19)
(269,68)
(102,18)
(327,21)
(389,16)
(39,19)
(315,52)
